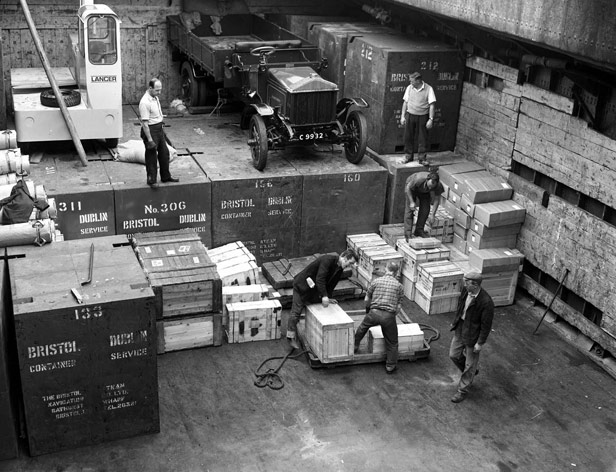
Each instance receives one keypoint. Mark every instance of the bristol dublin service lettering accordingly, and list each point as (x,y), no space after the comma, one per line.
(129,339)
(49,351)
(115,396)
(65,405)
(279,201)
(239,204)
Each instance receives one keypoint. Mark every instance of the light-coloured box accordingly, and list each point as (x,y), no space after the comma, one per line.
(495,260)
(451,174)
(502,213)
(413,257)
(330,333)
(438,304)
(460,243)
(243,293)
(375,260)
(246,273)
(439,278)
(496,231)
(253,321)
(410,338)
(355,241)
(424,243)
(486,189)
(476,241)
(409,287)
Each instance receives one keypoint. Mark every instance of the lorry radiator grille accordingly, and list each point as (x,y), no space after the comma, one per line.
(312,107)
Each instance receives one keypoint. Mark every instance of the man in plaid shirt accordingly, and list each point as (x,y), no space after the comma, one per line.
(383,300)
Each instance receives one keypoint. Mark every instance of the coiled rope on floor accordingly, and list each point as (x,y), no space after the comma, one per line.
(270,378)
(434,337)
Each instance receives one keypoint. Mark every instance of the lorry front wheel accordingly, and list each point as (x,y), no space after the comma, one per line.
(71,98)
(258,141)
(190,88)
(356,127)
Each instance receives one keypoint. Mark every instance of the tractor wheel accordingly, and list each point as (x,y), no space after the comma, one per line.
(190,87)
(258,136)
(71,98)
(357,127)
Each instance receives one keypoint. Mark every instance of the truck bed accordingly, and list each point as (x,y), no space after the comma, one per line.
(23,79)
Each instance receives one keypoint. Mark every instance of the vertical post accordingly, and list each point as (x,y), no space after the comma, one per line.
(54,85)
(3,118)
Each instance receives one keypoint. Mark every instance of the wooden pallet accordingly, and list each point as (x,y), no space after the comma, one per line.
(362,356)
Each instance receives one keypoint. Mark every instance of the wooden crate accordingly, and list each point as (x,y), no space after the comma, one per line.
(189,332)
(413,257)
(83,195)
(261,209)
(359,241)
(235,264)
(378,69)
(88,371)
(254,321)
(392,232)
(374,260)
(438,304)
(329,333)
(410,338)
(184,279)
(244,293)
(172,206)
(439,278)
(409,287)
(9,446)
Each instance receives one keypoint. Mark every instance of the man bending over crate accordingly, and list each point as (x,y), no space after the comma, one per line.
(316,283)
(383,301)
(422,190)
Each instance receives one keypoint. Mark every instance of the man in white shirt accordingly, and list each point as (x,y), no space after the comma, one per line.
(417,117)
(153,135)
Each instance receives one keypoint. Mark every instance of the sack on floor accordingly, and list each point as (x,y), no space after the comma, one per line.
(134,151)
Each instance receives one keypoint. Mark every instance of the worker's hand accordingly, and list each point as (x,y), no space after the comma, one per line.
(367,308)
(150,145)
(325,302)
(429,124)
(431,220)
(402,119)
(477,347)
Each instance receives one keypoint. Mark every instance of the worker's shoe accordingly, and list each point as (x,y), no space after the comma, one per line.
(458,397)
(391,370)
(153,184)
(293,343)
(406,159)
(421,234)
(171,179)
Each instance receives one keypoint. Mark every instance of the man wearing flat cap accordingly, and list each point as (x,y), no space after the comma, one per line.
(417,117)
(471,328)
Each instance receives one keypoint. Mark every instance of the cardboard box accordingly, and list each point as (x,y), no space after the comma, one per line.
(460,243)
(330,333)
(502,213)
(447,172)
(495,260)
(476,241)
(496,231)
(486,189)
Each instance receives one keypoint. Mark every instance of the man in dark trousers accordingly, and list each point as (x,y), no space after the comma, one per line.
(422,190)
(383,301)
(471,328)
(316,283)
(417,117)
(153,135)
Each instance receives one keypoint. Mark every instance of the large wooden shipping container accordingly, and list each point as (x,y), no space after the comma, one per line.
(9,447)
(261,209)
(172,206)
(84,197)
(88,369)
(378,69)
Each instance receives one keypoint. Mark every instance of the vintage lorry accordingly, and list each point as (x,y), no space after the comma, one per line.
(91,86)
(275,74)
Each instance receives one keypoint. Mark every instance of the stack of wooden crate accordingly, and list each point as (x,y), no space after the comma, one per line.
(413,257)
(438,287)
(251,310)
(187,287)
(368,246)
(500,268)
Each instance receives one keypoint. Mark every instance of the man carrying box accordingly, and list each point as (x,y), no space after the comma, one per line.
(316,283)
(422,190)
(383,300)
